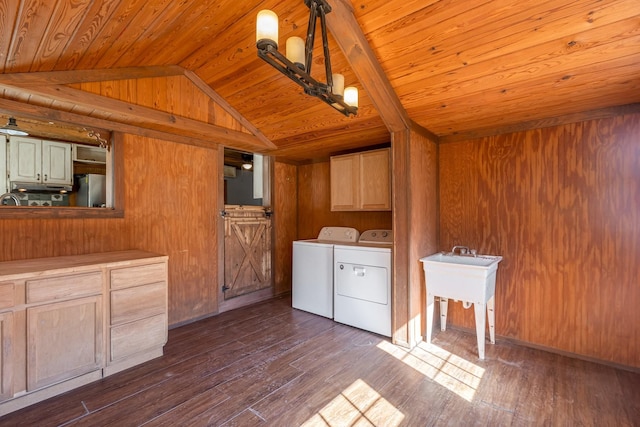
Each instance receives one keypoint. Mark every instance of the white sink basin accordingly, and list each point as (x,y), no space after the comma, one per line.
(484,261)
(471,279)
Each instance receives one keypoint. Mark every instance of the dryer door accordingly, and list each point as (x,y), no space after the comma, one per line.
(364,282)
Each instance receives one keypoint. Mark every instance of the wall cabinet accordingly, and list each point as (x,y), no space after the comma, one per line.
(67,321)
(40,161)
(361,181)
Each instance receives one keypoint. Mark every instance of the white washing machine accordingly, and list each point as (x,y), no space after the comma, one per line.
(362,278)
(312,285)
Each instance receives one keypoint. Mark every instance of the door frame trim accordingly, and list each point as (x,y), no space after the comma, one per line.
(263,294)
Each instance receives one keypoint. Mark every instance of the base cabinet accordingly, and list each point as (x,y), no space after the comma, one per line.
(138,320)
(68,321)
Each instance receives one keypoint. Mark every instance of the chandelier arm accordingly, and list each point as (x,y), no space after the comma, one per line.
(311,35)
(271,55)
(310,85)
(325,46)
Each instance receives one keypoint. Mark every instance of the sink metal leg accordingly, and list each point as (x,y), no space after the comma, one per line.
(480,312)
(491,314)
(430,313)
(444,304)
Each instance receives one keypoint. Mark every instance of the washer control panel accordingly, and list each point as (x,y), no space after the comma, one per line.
(339,234)
(382,237)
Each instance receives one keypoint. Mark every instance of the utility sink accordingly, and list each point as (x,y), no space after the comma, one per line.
(467,278)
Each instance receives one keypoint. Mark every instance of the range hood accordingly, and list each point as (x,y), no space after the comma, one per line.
(39,187)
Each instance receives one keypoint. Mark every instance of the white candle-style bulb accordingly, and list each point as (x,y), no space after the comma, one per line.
(351,96)
(267,27)
(338,84)
(295,51)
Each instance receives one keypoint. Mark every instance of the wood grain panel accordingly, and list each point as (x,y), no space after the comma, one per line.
(171,194)
(314,205)
(285,225)
(561,206)
(423,220)
(415,165)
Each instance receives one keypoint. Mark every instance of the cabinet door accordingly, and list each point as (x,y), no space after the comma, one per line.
(6,352)
(56,163)
(25,159)
(4,183)
(64,340)
(344,182)
(375,183)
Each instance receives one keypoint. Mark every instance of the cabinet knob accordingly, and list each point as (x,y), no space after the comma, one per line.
(45,177)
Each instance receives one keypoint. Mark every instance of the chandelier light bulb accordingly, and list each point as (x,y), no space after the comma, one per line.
(295,51)
(338,84)
(351,96)
(267,28)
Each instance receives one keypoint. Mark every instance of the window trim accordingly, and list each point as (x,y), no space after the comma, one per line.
(62,212)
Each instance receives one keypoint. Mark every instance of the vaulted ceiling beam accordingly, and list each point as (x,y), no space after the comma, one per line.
(345,29)
(84,76)
(140,117)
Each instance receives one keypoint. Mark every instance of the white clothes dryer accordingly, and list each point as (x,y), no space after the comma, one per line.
(362,277)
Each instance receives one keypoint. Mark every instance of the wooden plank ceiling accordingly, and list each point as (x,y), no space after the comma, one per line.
(459,69)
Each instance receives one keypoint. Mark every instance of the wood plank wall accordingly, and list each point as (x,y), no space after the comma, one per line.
(415,222)
(314,205)
(170,205)
(562,206)
(285,224)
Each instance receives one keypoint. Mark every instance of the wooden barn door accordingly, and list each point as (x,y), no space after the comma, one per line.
(247,256)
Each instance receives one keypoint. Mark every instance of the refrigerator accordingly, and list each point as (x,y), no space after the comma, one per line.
(92,190)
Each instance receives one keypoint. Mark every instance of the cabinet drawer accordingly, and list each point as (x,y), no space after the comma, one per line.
(71,286)
(138,302)
(138,336)
(141,275)
(7,295)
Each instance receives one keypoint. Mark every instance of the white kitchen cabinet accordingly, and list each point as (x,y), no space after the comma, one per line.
(40,161)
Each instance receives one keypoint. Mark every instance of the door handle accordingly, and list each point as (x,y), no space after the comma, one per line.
(359,271)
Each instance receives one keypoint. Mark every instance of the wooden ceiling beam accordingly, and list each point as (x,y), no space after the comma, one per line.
(345,29)
(84,76)
(139,117)
(207,90)
(38,112)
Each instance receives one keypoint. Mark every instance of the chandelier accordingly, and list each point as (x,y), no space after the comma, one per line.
(296,63)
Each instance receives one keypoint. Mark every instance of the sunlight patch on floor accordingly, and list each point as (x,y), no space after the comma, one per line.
(450,371)
(357,405)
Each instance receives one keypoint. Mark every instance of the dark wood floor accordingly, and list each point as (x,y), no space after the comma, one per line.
(271,365)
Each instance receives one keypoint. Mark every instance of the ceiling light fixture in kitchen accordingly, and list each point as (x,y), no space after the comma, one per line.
(247,161)
(297,63)
(11,128)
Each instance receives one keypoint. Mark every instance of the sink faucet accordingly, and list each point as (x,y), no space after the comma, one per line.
(9,196)
(464,250)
